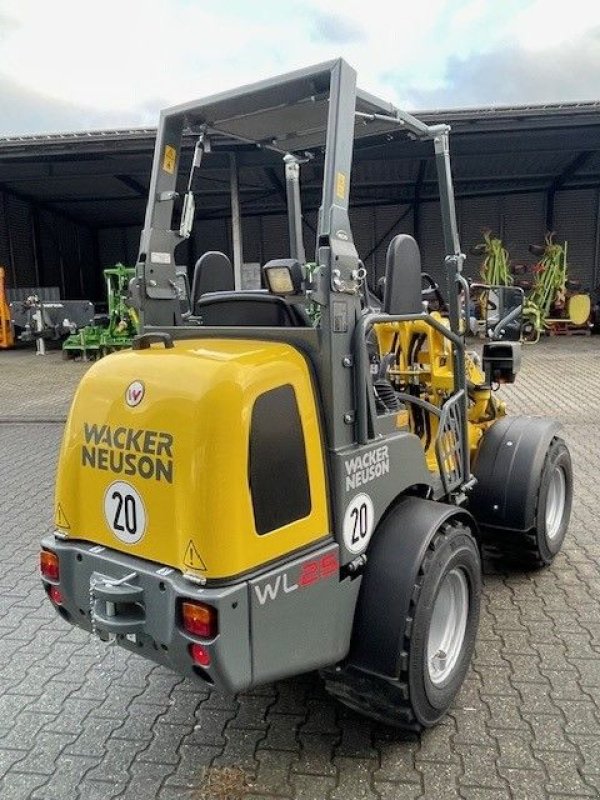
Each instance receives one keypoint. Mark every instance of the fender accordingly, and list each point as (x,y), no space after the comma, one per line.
(394,556)
(508,468)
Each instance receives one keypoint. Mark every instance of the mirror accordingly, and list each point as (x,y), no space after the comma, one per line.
(497,312)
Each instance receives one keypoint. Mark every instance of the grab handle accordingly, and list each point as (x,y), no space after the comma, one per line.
(144,340)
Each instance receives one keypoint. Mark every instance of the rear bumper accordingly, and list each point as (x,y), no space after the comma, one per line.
(147,619)
(291,619)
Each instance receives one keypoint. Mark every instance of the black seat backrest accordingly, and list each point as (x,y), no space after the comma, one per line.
(255,309)
(402,294)
(213,273)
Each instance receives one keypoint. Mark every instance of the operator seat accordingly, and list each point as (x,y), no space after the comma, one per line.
(402,292)
(213,273)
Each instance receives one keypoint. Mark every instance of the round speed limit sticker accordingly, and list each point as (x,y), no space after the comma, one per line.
(358,523)
(124,512)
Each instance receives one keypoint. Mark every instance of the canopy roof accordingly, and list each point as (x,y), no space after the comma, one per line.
(287,113)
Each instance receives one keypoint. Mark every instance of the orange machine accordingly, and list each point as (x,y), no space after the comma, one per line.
(6,334)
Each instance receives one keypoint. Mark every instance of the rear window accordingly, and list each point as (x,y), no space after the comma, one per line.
(278,472)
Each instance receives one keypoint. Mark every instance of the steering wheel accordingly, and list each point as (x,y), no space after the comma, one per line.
(432,291)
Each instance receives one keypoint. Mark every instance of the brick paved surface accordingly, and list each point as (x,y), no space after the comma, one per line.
(81,720)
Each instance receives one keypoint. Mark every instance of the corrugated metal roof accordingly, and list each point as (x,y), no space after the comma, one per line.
(101,178)
(80,136)
(533,110)
(471,115)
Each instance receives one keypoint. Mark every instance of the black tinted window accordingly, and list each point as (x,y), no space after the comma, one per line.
(277,461)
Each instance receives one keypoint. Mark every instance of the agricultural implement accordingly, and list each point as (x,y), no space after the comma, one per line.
(38,318)
(121,322)
(553,304)
(495,267)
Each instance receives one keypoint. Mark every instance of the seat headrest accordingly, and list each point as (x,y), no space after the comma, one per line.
(213,273)
(402,294)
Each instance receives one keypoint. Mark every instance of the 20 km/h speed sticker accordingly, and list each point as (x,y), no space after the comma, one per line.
(125,513)
(358,523)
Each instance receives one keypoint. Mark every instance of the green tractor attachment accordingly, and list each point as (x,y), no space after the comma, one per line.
(121,325)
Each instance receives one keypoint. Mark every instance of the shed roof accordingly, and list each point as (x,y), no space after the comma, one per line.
(101,178)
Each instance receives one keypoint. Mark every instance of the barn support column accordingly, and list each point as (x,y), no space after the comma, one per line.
(417,199)
(595,265)
(11,250)
(236,222)
(35,243)
(568,172)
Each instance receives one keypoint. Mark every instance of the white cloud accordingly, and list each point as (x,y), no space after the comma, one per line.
(128,58)
(548,23)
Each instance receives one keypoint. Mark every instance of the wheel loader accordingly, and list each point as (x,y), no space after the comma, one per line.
(301,477)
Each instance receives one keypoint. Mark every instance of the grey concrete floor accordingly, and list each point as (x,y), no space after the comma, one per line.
(80,720)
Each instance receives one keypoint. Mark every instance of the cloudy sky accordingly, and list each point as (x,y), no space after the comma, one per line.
(74,64)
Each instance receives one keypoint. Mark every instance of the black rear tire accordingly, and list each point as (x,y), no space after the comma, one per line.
(538,547)
(418,698)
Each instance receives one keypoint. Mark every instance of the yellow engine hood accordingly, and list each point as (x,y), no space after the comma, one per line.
(154,459)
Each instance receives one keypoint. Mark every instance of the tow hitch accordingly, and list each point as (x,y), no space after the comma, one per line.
(116,606)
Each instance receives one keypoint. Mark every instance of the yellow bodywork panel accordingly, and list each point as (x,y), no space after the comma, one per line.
(174,424)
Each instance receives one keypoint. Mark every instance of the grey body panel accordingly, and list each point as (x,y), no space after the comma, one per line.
(306,625)
(295,631)
(382,470)
(286,113)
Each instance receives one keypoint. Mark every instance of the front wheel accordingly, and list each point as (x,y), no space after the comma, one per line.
(537,547)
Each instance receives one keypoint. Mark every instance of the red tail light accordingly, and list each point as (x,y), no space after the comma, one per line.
(49,565)
(199,620)
(200,655)
(55,595)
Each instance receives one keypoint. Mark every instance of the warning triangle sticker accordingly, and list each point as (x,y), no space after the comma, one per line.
(60,520)
(193,558)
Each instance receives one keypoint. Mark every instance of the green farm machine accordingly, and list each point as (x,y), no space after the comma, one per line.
(118,327)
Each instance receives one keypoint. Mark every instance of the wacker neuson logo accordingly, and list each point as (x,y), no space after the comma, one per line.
(128,451)
(134,394)
(364,469)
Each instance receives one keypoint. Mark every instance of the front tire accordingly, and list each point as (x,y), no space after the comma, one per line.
(538,547)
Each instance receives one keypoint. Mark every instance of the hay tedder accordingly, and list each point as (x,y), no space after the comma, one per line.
(252,492)
(551,302)
(555,304)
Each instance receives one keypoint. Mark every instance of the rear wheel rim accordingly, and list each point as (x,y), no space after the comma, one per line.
(555,502)
(448,626)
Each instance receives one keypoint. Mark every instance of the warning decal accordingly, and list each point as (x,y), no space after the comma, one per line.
(60,519)
(192,557)
(340,185)
(169,159)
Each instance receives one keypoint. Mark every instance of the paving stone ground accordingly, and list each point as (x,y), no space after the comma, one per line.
(80,720)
